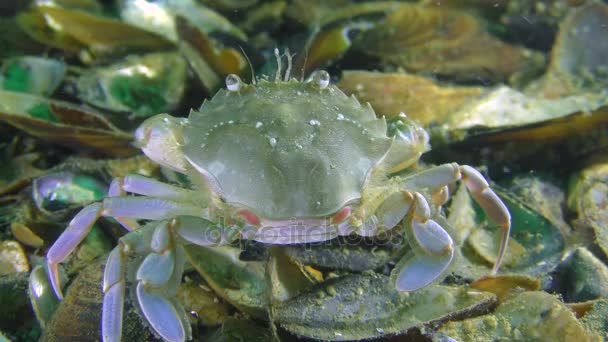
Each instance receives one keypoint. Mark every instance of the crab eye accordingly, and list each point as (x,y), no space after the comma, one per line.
(341,215)
(249,217)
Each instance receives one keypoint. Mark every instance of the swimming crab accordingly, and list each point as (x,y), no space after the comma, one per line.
(280,162)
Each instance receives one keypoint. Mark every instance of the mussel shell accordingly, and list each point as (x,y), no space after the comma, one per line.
(78,316)
(365,306)
(64,123)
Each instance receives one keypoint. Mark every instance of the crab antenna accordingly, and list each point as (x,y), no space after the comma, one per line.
(304,66)
(253,81)
(277,76)
(288,70)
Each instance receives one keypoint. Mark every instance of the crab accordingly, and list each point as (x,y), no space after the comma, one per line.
(281,162)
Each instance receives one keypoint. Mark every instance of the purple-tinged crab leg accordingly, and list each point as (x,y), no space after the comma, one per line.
(121,207)
(157,279)
(492,206)
(113,296)
(148,208)
(141,185)
(76,231)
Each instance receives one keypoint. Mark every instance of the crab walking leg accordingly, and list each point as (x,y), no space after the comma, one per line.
(149,208)
(433,249)
(491,204)
(158,277)
(434,178)
(77,230)
(140,185)
(116,190)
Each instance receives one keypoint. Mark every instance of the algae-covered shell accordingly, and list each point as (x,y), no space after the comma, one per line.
(78,316)
(365,306)
(531,315)
(299,141)
(587,198)
(578,57)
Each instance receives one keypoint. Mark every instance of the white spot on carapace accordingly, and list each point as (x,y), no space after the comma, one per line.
(340,116)
(258,124)
(230,122)
(314,122)
(272,141)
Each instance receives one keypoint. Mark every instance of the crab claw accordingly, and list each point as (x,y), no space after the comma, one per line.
(432,249)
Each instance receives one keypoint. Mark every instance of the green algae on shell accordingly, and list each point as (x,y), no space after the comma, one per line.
(367,305)
(32,74)
(538,244)
(594,321)
(143,85)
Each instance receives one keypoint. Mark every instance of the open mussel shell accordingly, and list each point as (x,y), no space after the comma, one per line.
(532,315)
(332,28)
(159,17)
(241,283)
(143,85)
(518,127)
(443,42)
(587,198)
(367,305)
(90,35)
(62,190)
(64,123)
(578,58)
(42,297)
(420,98)
(211,60)
(32,74)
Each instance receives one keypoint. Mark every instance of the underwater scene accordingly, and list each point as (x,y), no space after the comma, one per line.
(303,170)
